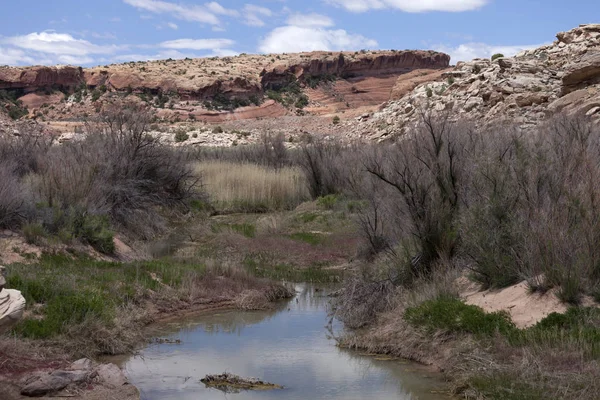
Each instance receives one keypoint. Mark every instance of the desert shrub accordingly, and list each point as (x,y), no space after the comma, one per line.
(336,120)
(497,55)
(424,173)
(181,136)
(321,163)
(217,129)
(34,233)
(117,171)
(14,205)
(451,315)
(328,202)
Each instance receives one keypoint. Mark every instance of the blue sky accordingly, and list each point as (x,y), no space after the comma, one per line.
(94,33)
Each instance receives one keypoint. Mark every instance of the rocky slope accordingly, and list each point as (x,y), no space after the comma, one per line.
(213,89)
(526,89)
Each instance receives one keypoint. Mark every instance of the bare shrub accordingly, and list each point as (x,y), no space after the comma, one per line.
(14,207)
(424,171)
(320,161)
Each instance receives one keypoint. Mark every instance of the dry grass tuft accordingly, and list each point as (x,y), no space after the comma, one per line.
(252,188)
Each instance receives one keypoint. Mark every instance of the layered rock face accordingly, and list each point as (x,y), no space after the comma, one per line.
(349,65)
(525,89)
(190,85)
(240,76)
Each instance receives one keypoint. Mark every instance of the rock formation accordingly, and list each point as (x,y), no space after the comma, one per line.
(197,89)
(12,304)
(525,89)
(81,373)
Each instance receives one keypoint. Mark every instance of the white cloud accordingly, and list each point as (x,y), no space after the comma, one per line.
(413,6)
(50,48)
(220,10)
(469,51)
(197,44)
(184,12)
(253,15)
(57,43)
(301,38)
(310,20)
(172,25)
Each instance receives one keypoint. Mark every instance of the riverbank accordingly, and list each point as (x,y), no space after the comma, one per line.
(483,353)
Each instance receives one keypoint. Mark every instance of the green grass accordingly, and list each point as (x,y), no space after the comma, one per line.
(263,266)
(505,387)
(63,291)
(246,229)
(578,327)
(452,315)
(308,237)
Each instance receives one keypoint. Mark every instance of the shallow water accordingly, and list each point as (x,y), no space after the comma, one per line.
(288,346)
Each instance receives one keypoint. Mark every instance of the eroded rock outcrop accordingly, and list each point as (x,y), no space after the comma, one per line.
(64,382)
(12,304)
(525,89)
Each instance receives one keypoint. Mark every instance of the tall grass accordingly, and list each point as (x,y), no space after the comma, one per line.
(244,187)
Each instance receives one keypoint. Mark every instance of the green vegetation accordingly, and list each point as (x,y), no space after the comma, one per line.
(263,265)
(497,55)
(9,99)
(328,202)
(335,120)
(314,81)
(288,95)
(245,229)
(452,315)
(78,290)
(181,135)
(308,237)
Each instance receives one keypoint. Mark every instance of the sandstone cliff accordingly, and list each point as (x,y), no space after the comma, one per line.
(525,89)
(188,87)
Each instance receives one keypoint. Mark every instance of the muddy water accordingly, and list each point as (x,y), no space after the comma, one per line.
(288,346)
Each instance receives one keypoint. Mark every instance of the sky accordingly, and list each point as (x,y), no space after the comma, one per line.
(88,33)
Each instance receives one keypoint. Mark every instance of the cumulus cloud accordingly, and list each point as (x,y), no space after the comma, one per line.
(469,51)
(310,20)
(308,32)
(287,39)
(184,12)
(413,6)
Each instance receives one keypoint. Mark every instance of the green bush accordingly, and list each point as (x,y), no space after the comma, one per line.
(181,136)
(452,315)
(336,120)
(497,55)
(328,202)
(217,129)
(308,237)
(428,91)
(95,230)
(34,233)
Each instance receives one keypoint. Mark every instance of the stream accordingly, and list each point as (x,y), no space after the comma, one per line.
(289,346)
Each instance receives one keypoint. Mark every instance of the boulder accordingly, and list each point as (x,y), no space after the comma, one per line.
(586,69)
(12,305)
(41,385)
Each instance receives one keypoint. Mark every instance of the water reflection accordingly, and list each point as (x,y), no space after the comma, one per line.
(287,346)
